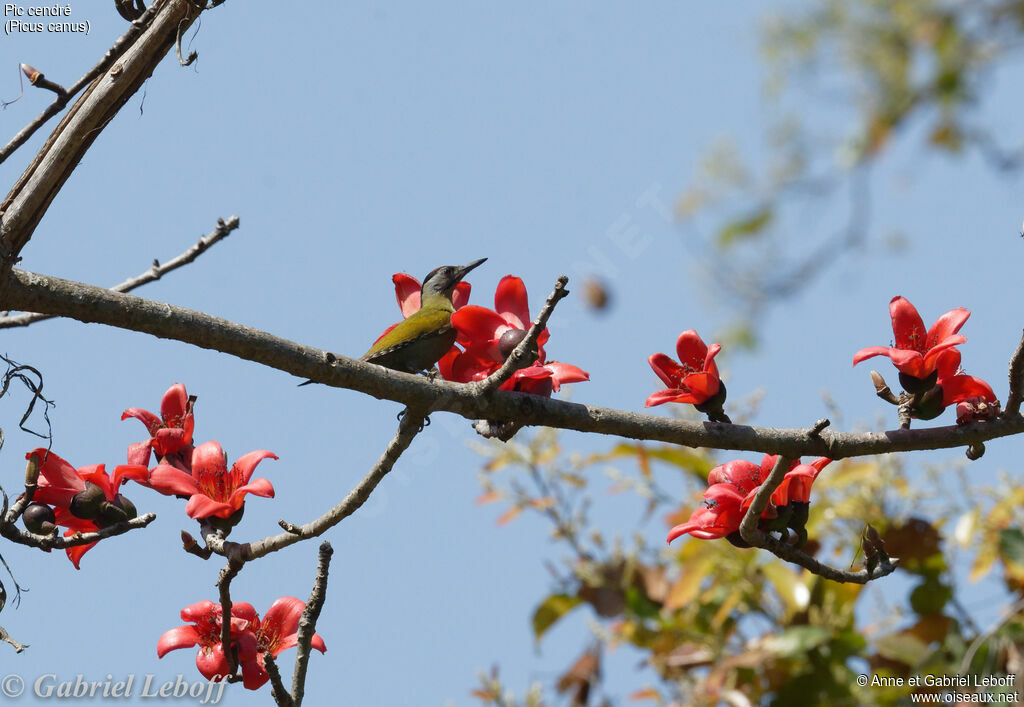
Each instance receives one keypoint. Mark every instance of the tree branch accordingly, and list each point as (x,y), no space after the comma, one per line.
(1013,399)
(230,571)
(307,624)
(222,231)
(112,54)
(50,295)
(30,197)
(57,542)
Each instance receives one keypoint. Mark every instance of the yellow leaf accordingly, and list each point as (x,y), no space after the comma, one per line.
(489,497)
(510,515)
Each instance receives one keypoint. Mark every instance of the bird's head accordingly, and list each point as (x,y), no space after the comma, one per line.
(442,280)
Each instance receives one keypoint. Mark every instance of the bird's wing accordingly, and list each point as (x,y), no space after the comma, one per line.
(430,322)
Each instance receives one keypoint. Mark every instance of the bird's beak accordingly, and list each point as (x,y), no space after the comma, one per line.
(464,270)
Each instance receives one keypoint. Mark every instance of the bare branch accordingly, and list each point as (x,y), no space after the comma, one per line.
(50,295)
(158,270)
(25,205)
(1013,399)
(6,638)
(408,428)
(750,533)
(230,571)
(56,542)
(307,624)
(280,695)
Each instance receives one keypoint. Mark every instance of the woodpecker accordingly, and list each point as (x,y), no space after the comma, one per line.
(417,343)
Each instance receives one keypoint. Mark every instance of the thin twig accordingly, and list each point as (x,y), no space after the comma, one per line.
(525,352)
(1008,613)
(56,542)
(21,503)
(158,270)
(752,535)
(408,428)
(280,695)
(748,526)
(307,623)
(6,638)
(230,571)
(1013,398)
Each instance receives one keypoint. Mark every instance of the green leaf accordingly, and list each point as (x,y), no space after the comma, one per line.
(797,641)
(550,611)
(746,227)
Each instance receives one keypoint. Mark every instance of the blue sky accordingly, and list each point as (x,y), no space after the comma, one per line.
(355,142)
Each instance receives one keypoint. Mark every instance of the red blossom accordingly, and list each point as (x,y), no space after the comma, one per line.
(731,489)
(212,489)
(917,351)
(204,630)
(489,336)
(251,636)
(169,434)
(694,379)
(66,489)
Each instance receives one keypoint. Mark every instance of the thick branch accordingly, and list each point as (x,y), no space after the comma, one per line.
(748,527)
(23,208)
(51,110)
(222,231)
(230,571)
(50,295)
(56,542)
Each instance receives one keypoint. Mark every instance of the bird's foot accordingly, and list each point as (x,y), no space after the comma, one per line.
(425,423)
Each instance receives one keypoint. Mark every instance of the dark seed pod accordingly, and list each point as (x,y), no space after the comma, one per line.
(39,518)
(87,504)
(509,341)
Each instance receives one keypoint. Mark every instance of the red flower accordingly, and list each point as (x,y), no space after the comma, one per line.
(917,351)
(279,629)
(84,499)
(206,620)
(251,636)
(731,489)
(695,381)
(491,335)
(211,488)
(957,386)
(169,433)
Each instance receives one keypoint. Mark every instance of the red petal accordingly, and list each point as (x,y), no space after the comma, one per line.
(910,362)
(200,610)
(511,302)
(670,395)
(180,637)
(169,440)
(172,482)
(57,472)
(407,292)
(931,358)
(947,363)
(138,453)
(666,369)
(211,662)
(174,404)
(959,388)
(740,473)
(947,325)
(907,325)
(702,385)
(246,464)
(258,487)
(460,298)
(151,421)
(869,352)
(446,363)
(76,553)
(478,324)
(691,350)
(208,458)
(200,506)
(285,613)
(709,360)
(135,472)
(562,373)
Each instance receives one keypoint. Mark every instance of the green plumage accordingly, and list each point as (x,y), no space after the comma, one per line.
(417,343)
